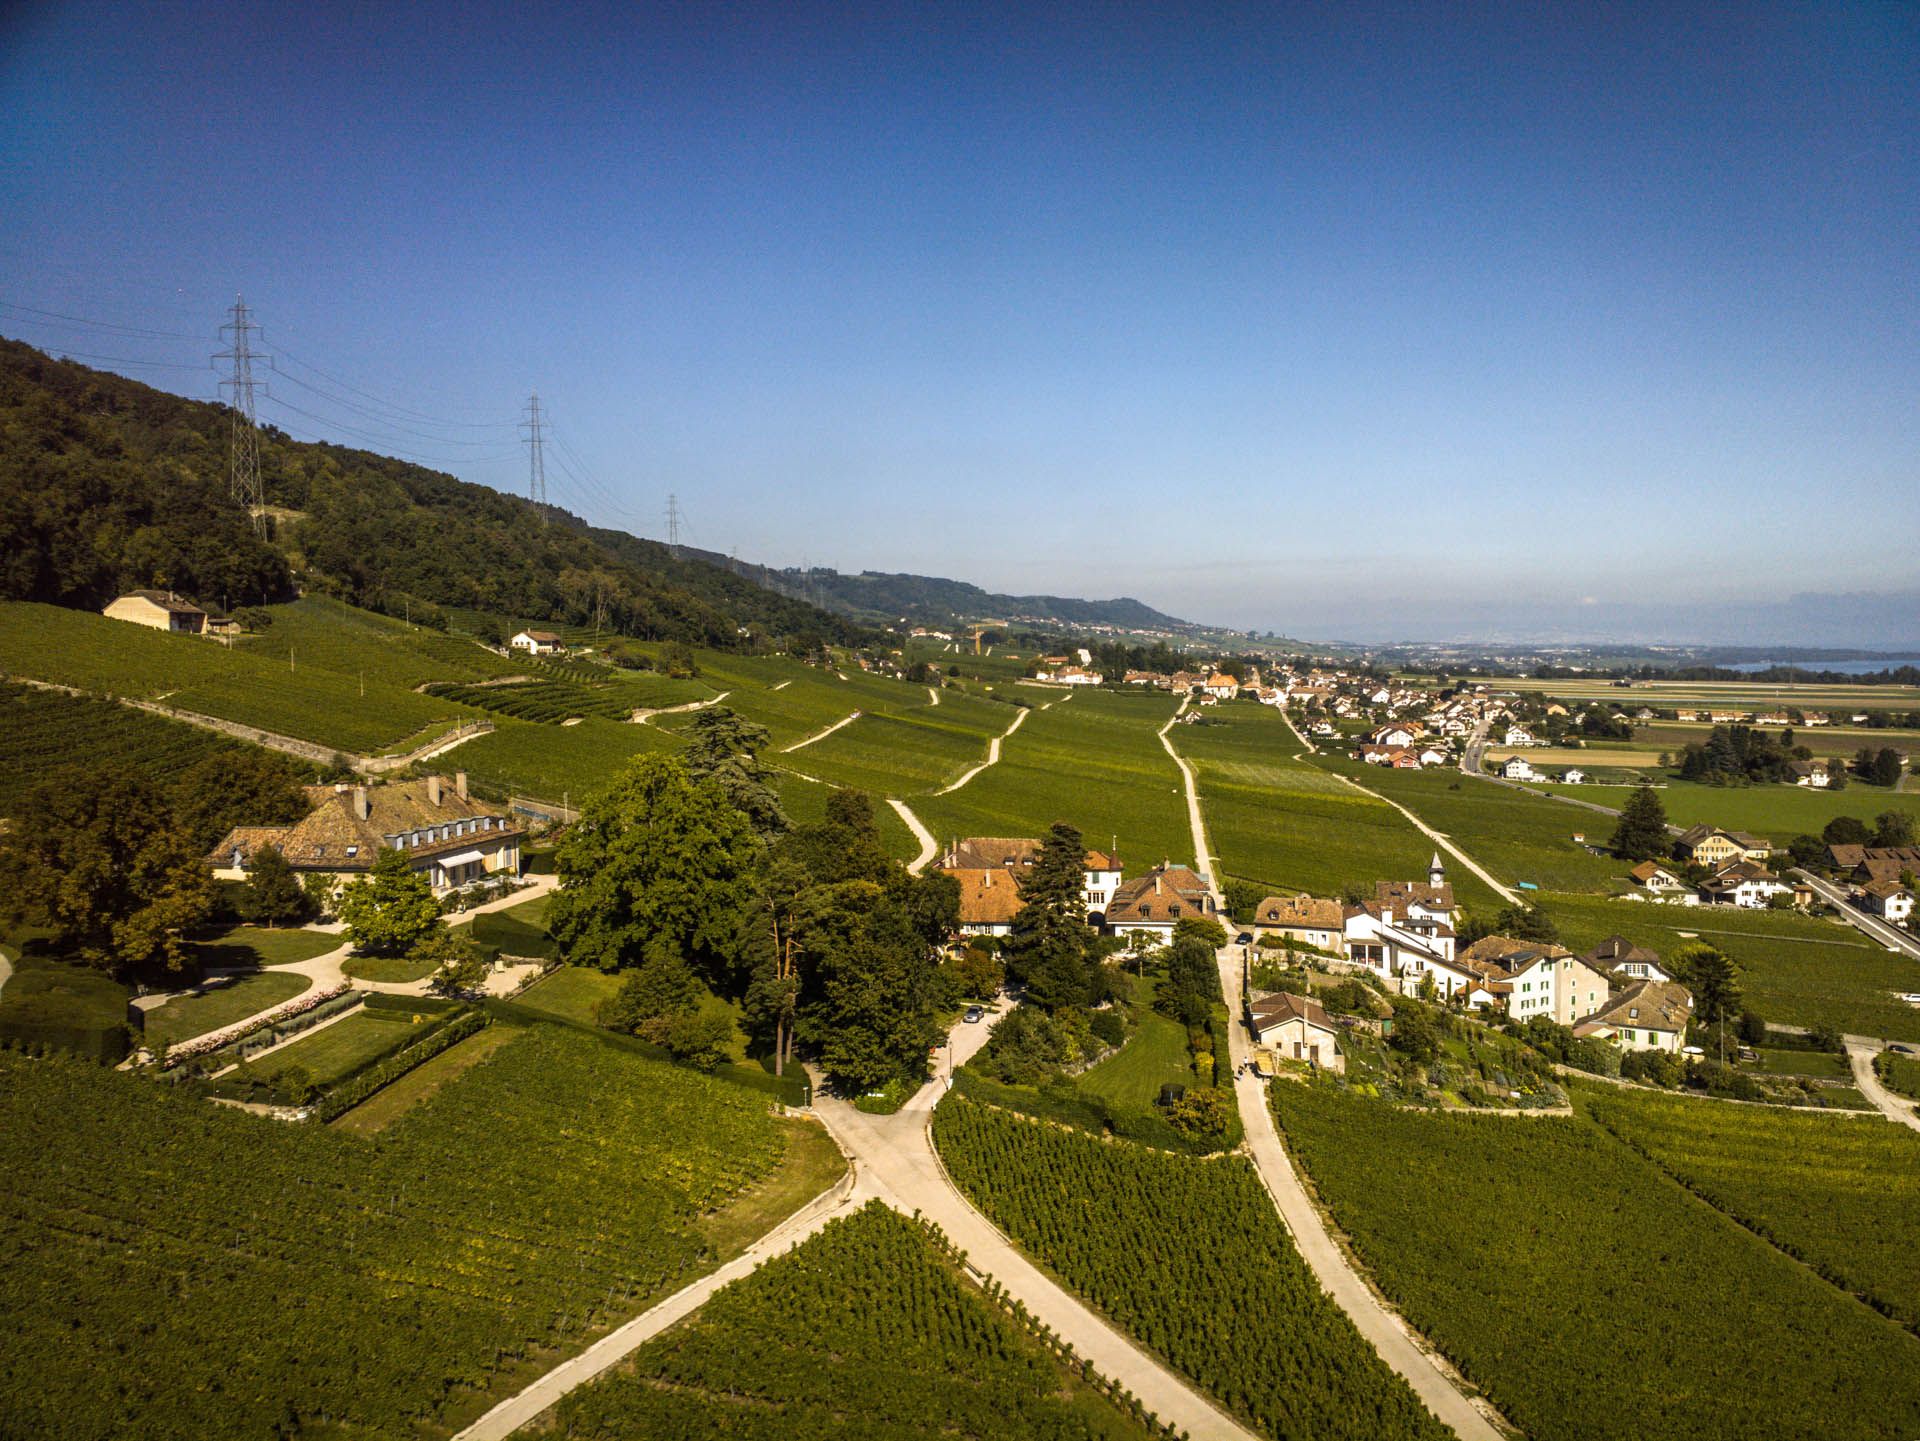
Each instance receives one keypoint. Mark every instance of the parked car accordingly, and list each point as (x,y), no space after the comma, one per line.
(974,1015)
(1245,938)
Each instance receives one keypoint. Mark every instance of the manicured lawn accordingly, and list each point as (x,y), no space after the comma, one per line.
(1155,1054)
(184,1017)
(572,992)
(387,969)
(1821,1065)
(247,947)
(337,1050)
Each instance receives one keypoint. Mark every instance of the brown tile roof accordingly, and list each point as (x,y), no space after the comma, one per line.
(1617,951)
(1284,1006)
(321,841)
(1647,1005)
(166,602)
(1877,870)
(1401,894)
(1508,953)
(1166,893)
(1309,911)
(247,840)
(1647,870)
(988,897)
(988,853)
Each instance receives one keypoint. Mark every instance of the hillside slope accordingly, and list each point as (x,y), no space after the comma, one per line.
(107,484)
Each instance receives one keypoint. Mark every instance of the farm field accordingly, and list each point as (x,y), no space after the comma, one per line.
(805,802)
(1093,761)
(1798,970)
(113,657)
(572,993)
(1664,1310)
(1519,838)
(332,635)
(185,1017)
(1777,812)
(1670,736)
(1100,1215)
(1735,695)
(1284,823)
(43,730)
(902,755)
(868,1319)
(336,1051)
(1899,1073)
(1842,1195)
(560,1184)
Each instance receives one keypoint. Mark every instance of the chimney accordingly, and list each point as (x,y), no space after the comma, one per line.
(433,790)
(360,807)
(460,784)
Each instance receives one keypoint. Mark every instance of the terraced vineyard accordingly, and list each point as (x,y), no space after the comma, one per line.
(868,1319)
(1289,826)
(1093,761)
(552,762)
(156,1239)
(41,730)
(1661,1318)
(192,673)
(320,631)
(1795,969)
(1843,1195)
(907,753)
(554,700)
(1190,1258)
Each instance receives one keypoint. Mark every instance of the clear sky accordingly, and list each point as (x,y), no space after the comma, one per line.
(1336,320)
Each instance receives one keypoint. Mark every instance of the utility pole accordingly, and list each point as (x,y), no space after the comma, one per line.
(245,441)
(534,425)
(673,525)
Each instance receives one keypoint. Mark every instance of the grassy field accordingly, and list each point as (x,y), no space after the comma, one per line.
(1842,1195)
(1154,1055)
(1517,836)
(1093,761)
(1735,695)
(573,993)
(1820,1065)
(337,1050)
(42,730)
(387,970)
(1795,969)
(559,1186)
(185,1017)
(241,947)
(904,755)
(113,657)
(868,1319)
(1287,825)
(1774,811)
(1664,1319)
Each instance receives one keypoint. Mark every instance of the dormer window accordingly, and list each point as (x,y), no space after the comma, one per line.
(353,851)
(1633,1013)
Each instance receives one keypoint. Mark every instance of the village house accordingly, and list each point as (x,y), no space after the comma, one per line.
(1655,877)
(1393,735)
(1433,756)
(1747,884)
(1815,774)
(1534,978)
(1573,776)
(1889,900)
(1515,768)
(1519,736)
(1295,1028)
(1710,846)
(1405,933)
(446,835)
(1646,1016)
(1159,900)
(1619,957)
(1222,686)
(1013,856)
(537,642)
(1307,919)
(989,900)
(160,609)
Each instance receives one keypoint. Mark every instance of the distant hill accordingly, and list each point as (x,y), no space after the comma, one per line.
(107,485)
(882,598)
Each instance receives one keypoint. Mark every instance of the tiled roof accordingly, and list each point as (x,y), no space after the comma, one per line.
(990,853)
(1647,1005)
(1313,911)
(1164,894)
(1401,894)
(323,839)
(1284,1006)
(987,897)
(165,601)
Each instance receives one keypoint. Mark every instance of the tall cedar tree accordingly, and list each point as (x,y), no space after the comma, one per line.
(1641,834)
(658,866)
(98,857)
(393,910)
(1049,949)
(725,746)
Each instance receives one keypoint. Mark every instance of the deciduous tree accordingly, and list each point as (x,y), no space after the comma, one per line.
(273,894)
(392,910)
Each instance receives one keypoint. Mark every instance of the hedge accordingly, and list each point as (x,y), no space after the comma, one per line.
(362,1084)
(65,1008)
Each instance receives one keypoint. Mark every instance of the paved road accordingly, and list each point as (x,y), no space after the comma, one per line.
(510,1415)
(1895,1108)
(897,1163)
(1196,822)
(928,845)
(1399,1346)
(1875,929)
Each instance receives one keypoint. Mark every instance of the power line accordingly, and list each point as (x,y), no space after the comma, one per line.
(402,411)
(372,415)
(64,354)
(382,440)
(130,330)
(245,447)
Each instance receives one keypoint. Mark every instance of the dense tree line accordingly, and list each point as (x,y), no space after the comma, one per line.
(108,485)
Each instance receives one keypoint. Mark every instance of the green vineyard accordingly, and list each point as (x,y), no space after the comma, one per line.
(1190,1258)
(42,730)
(1588,1295)
(867,1330)
(236,1278)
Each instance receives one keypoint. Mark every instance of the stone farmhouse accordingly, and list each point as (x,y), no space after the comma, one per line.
(1158,901)
(1296,1028)
(160,609)
(1646,1016)
(446,835)
(1711,846)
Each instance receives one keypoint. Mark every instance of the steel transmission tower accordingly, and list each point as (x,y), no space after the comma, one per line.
(673,525)
(245,477)
(535,425)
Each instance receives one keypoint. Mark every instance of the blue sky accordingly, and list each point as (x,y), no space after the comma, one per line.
(1343,321)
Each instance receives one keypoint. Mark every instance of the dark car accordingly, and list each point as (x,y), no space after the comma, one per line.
(1245,938)
(975,1014)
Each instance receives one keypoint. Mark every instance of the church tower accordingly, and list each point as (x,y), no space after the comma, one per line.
(1436,872)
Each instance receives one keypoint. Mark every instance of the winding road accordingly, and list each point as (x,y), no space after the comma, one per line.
(993,752)
(929,847)
(820,735)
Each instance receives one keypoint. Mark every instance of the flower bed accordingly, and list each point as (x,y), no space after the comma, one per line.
(300,1005)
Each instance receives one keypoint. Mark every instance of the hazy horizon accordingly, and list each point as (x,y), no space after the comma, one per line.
(1361,324)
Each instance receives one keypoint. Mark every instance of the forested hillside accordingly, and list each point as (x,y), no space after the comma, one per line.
(107,484)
